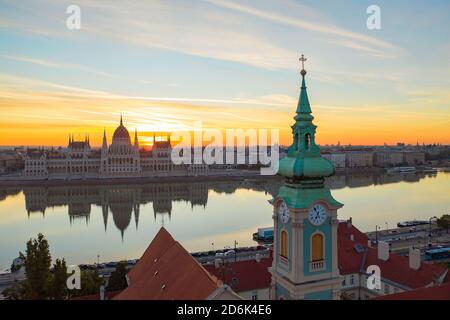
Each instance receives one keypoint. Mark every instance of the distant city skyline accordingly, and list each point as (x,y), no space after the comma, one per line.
(165,65)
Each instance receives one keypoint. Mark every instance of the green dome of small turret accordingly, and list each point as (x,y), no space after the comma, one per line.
(305,167)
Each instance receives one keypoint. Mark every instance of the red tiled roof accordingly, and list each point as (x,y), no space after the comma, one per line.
(441,292)
(166,271)
(395,269)
(345,230)
(349,261)
(244,275)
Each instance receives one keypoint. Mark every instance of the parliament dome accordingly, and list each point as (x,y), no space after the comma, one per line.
(121,134)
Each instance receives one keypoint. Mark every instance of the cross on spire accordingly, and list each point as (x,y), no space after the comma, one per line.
(303,59)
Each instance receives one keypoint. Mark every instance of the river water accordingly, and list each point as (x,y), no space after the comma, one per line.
(118,222)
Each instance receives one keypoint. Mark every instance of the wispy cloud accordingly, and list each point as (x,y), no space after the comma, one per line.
(211,28)
(57,65)
(378,46)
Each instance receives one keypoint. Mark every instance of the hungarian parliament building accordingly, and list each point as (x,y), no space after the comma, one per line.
(121,159)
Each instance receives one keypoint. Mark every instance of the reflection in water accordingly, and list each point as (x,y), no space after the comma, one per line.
(124,201)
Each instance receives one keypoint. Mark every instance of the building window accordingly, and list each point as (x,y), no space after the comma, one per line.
(352,279)
(317,247)
(344,282)
(284,244)
(254,295)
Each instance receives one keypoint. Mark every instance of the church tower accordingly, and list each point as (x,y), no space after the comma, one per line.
(305,260)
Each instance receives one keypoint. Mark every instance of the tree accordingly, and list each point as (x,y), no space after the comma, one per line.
(117,280)
(40,282)
(14,292)
(58,288)
(90,284)
(37,263)
(444,222)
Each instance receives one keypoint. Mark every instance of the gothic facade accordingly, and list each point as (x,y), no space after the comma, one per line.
(121,159)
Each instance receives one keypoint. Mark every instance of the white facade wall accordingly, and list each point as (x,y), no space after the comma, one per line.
(359,159)
(258,294)
(337,159)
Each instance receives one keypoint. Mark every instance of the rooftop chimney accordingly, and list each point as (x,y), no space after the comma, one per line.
(369,243)
(383,250)
(352,237)
(414,258)
(217,263)
(258,258)
(349,223)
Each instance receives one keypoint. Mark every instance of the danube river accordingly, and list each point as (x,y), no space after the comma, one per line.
(114,222)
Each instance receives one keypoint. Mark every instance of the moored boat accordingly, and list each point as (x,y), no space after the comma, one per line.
(411,223)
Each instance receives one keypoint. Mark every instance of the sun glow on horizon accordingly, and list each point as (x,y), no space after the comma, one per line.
(375,88)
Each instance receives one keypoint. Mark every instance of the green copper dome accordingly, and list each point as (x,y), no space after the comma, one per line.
(305,168)
(304,164)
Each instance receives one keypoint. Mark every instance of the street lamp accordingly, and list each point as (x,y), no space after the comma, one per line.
(429,234)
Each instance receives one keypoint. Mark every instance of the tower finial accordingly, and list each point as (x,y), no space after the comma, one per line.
(303,59)
(121,122)
(136,143)
(104,143)
(303,106)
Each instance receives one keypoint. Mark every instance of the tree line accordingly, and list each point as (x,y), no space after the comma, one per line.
(46,282)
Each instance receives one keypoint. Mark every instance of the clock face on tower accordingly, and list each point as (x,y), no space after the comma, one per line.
(317,214)
(283,212)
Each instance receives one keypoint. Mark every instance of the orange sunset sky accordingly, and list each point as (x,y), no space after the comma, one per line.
(166,65)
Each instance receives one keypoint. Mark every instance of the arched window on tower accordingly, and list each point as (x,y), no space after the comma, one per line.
(317,252)
(284,244)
